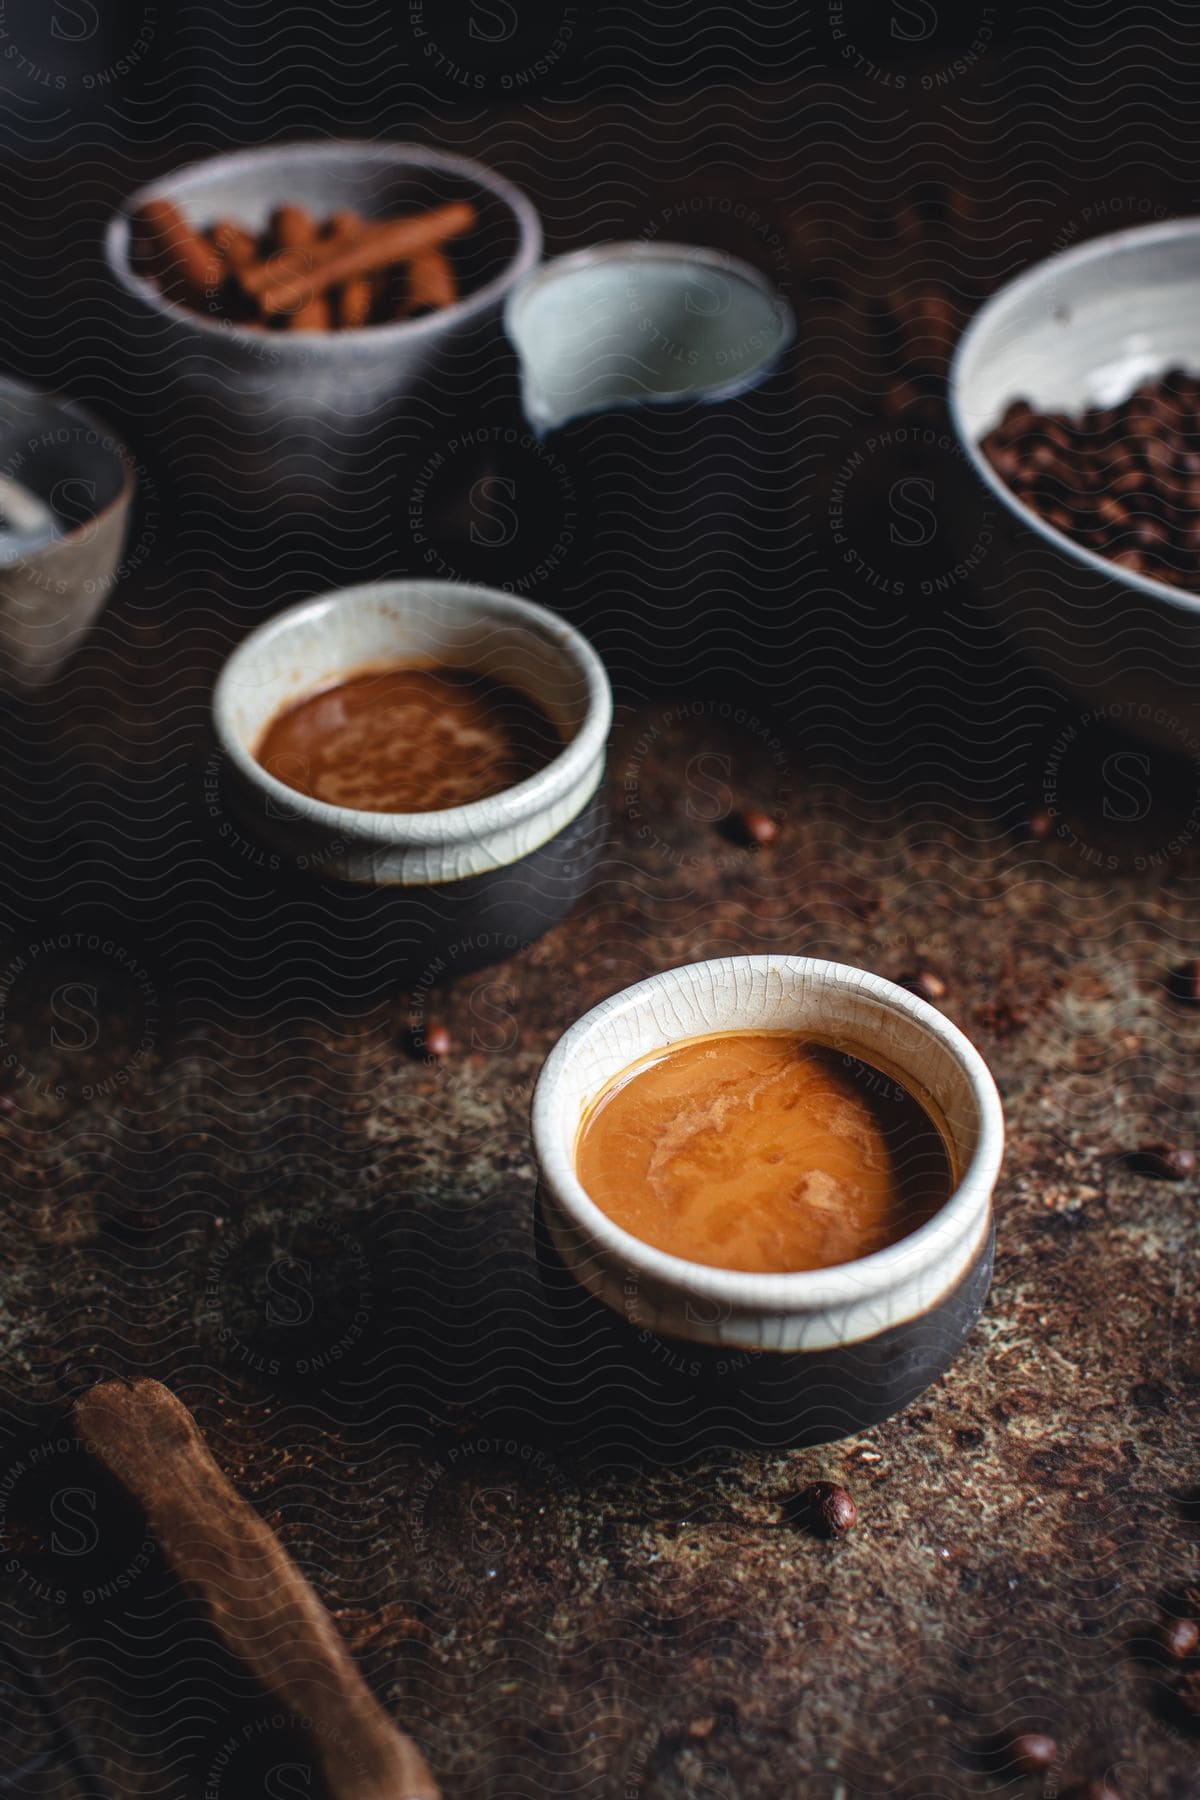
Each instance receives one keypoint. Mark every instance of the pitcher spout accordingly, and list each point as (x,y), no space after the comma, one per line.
(636,324)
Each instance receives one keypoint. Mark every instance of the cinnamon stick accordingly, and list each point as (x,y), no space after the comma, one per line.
(292,228)
(431,284)
(313,315)
(355,303)
(234,244)
(392,241)
(355,300)
(184,260)
(260,1603)
(238,250)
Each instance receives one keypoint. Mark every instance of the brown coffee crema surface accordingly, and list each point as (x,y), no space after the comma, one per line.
(408,737)
(762,1151)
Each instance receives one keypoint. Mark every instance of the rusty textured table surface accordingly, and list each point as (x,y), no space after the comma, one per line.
(321,1241)
(551,1620)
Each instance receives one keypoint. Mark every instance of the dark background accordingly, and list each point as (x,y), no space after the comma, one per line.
(559,1614)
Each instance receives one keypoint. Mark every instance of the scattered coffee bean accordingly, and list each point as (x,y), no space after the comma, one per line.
(1120,480)
(1183,983)
(436,1042)
(1032,1751)
(1041,824)
(1166,1162)
(1181,1638)
(756,826)
(926,985)
(827,1509)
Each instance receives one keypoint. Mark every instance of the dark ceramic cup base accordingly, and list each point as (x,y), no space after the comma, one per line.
(617,1383)
(266,912)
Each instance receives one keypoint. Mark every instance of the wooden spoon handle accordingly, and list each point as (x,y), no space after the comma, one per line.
(261,1604)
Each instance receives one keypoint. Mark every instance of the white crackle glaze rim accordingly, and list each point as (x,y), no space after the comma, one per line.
(329,345)
(973,343)
(458,841)
(809,1309)
(633,251)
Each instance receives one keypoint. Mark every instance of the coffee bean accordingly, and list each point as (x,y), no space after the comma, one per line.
(1041,824)
(1181,1638)
(1161,455)
(1166,1162)
(1018,416)
(1118,479)
(436,1042)
(827,1509)
(1148,534)
(756,826)
(1032,1751)
(926,985)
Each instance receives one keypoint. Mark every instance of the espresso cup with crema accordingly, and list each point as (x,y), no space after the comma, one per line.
(688,1349)
(497,871)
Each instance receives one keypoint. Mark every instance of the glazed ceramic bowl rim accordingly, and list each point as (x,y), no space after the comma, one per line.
(1095,250)
(79,415)
(641,250)
(524,800)
(304,345)
(803,1290)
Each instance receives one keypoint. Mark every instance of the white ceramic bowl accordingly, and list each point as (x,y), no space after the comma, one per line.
(301,408)
(913,1302)
(1084,328)
(376,179)
(321,640)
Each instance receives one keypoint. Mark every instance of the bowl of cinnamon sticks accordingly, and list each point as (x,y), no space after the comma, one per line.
(300,294)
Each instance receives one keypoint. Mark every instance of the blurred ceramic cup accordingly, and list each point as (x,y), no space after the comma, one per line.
(496,872)
(782,1358)
(66,490)
(669,406)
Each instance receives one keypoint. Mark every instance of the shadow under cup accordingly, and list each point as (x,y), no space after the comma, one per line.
(658,1350)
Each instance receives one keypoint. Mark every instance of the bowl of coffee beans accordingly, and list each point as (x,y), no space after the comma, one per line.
(1075,393)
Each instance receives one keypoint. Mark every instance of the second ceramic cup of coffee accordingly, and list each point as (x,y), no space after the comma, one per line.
(685,1348)
(500,869)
